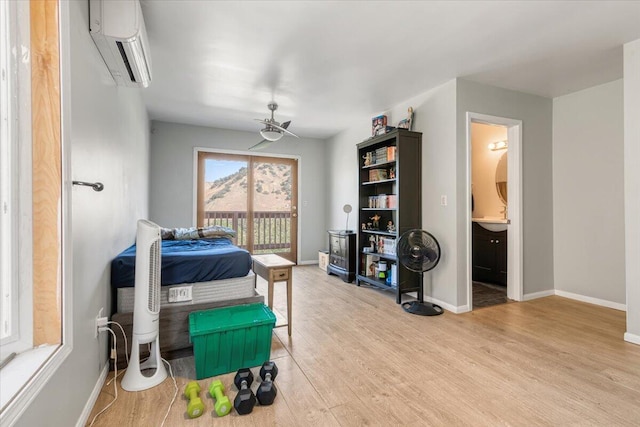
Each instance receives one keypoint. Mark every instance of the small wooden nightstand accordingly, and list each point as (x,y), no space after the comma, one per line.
(342,255)
(274,268)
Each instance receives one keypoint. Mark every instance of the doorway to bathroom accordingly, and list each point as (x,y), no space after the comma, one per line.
(494,237)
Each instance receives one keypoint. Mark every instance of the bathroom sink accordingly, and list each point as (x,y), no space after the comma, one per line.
(492,223)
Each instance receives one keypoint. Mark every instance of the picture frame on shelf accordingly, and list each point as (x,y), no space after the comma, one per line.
(378,123)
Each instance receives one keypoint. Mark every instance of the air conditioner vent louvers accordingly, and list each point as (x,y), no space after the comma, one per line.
(126,61)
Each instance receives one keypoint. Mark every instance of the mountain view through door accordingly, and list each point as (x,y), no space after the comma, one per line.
(256,196)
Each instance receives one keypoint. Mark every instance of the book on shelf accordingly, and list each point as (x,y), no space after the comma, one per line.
(368,269)
(381,155)
(391,153)
(394,275)
(389,246)
(378,174)
(382,201)
(392,201)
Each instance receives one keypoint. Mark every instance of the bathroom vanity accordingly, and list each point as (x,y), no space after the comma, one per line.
(489,239)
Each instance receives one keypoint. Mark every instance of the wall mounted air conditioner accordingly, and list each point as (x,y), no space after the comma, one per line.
(117,28)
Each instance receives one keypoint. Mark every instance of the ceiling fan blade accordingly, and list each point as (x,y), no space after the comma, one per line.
(283,129)
(286,124)
(264,122)
(260,145)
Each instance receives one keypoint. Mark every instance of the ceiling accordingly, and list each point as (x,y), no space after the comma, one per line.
(327,63)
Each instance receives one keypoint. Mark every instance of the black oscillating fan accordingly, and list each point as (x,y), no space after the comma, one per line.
(419,251)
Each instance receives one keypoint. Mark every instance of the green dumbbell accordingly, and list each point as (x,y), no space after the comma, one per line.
(195,408)
(223,404)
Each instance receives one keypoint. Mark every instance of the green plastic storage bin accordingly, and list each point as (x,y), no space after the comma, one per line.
(229,338)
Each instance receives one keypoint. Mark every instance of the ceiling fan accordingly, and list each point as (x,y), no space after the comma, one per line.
(273,130)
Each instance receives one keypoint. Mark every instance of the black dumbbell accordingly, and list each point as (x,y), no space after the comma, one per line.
(267,390)
(245,399)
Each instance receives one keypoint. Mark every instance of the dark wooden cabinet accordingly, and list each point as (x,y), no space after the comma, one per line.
(389,193)
(489,254)
(342,254)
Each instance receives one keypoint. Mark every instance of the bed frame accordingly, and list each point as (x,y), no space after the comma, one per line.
(175,340)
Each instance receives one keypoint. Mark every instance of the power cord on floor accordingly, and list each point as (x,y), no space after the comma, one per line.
(114,354)
(175,394)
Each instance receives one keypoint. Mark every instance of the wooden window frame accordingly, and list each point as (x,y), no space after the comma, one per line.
(43,264)
(200,156)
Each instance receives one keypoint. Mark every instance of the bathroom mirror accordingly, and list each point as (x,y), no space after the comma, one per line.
(501,178)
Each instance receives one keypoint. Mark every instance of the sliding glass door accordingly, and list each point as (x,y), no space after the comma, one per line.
(256,196)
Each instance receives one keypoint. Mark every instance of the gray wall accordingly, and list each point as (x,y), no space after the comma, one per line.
(588,193)
(171,202)
(440,115)
(342,176)
(435,117)
(109,143)
(537,180)
(632,186)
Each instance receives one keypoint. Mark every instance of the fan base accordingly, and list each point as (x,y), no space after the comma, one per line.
(422,308)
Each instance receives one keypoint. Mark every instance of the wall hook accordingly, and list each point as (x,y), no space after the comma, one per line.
(97,186)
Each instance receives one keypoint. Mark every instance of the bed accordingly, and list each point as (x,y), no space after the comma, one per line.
(217,272)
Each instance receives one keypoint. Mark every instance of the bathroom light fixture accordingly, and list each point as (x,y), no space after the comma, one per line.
(499,145)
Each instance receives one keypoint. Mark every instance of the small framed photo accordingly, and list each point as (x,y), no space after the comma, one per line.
(378,125)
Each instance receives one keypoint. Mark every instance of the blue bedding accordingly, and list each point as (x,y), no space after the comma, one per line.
(187,261)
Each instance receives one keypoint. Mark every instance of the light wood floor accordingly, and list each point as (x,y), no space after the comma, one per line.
(355,358)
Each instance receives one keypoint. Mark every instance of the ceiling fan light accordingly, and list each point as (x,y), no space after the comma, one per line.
(270,134)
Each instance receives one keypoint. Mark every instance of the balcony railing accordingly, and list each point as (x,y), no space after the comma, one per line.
(271,230)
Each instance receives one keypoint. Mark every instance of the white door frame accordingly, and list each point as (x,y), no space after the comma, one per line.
(514,195)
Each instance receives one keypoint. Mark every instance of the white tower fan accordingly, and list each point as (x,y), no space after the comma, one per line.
(146,310)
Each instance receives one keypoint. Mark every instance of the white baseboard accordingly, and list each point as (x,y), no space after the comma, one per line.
(447,306)
(311,262)
(591,300)
(632,338)
(536,295)
(84,416)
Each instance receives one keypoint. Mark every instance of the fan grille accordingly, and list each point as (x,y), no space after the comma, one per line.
(418,250)
(153,303)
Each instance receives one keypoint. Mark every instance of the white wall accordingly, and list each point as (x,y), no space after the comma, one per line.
(588,193)
(440,115)
(172,203)
(632,186)
(342,176)
(110,144)
(434,116)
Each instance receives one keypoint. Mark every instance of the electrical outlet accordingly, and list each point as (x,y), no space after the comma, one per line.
(99,320)
(443,200)
(180,294)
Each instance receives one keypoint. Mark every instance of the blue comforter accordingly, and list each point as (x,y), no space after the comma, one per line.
(187,261)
